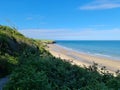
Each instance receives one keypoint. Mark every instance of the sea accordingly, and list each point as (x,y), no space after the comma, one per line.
(108,49)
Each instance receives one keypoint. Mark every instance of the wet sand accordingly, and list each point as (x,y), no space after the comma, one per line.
(82,59)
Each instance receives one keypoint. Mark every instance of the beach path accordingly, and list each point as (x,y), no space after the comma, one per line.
(3,81)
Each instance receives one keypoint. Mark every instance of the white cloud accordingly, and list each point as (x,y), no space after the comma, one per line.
(101,4)
(29,18)
(42,23)
(99,25)
(35,17)
(73,34)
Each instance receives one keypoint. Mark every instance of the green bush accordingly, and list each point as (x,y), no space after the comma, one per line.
(58,74)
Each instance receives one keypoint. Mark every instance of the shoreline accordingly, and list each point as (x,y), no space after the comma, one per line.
(91,54)
(83,59)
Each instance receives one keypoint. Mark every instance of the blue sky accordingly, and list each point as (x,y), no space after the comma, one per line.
(63,19)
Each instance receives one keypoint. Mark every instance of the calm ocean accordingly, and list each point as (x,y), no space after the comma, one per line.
(109,49)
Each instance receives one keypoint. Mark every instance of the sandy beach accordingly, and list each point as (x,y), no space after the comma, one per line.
(82,58)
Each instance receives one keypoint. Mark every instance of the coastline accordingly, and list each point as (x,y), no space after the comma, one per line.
(83,59)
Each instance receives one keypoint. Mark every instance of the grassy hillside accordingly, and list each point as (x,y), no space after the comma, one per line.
(31,67)
(13,45)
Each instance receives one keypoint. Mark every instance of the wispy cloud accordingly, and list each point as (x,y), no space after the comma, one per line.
(101,4)
(35,17)
(40,20)
(99,25)
(73,34)
(42,23)
(29,18)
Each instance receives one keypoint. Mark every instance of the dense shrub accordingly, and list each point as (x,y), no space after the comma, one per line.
(49,73)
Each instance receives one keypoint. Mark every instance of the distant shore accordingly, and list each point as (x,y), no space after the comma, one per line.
(83,59)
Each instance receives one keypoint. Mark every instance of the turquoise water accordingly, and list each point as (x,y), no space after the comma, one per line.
(110,49)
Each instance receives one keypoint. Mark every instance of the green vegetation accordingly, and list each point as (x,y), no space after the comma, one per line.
(31,67)
(12,46)
(48,41)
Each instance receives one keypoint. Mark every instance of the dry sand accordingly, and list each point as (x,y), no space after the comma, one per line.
(82,58)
